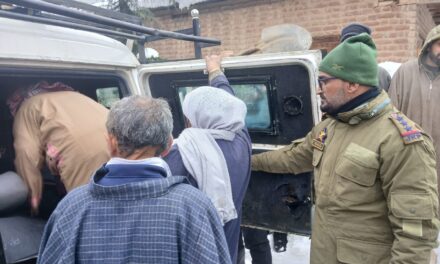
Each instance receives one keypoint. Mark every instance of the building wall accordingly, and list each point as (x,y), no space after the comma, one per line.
(399,27)
(424,24)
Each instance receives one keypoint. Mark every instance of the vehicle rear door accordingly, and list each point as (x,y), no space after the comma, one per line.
(279,92)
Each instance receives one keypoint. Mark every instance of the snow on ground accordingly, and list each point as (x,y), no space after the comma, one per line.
(298,251)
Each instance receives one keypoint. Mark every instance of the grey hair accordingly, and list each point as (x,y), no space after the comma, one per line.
(139,121)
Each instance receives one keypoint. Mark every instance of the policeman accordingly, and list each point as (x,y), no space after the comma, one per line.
(375,178)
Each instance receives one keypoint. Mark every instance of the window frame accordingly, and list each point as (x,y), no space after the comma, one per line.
(265,80)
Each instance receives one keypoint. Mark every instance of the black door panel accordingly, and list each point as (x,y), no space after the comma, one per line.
(279,202)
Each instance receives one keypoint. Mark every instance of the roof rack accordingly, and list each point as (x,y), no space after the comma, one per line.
(108,23)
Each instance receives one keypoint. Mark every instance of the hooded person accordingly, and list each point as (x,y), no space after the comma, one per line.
(213,114)
(415,89)
(374,170)
(214,150)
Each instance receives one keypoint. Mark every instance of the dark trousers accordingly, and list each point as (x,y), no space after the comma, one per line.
(256,241)
(53,192)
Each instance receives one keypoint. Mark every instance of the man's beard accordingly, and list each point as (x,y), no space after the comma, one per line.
(329,109)
(332,107)
(434,58)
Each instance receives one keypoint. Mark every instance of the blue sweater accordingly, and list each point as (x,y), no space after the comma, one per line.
(158,220)
(238,159)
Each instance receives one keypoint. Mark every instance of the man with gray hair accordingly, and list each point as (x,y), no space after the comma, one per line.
(132,211)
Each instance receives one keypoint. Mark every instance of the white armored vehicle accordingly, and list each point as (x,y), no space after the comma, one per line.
(278,89)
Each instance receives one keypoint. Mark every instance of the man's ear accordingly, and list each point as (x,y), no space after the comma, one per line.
(112,145)
(168,148)
(352,88)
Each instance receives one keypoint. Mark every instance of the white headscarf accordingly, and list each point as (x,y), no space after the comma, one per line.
(214,114)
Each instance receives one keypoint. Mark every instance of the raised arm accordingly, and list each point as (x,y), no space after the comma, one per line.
(216,77)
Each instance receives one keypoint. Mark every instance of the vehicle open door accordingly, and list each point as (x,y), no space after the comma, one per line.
(279,92)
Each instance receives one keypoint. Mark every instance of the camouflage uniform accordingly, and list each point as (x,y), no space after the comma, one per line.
(375,185)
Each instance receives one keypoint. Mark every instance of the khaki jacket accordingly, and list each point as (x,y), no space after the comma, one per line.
(64,129)
(375,186)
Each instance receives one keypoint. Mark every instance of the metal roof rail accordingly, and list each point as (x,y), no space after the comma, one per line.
(138,32)
(53,22)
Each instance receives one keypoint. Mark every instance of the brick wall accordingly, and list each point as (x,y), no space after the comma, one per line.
(399,27)
(424,24)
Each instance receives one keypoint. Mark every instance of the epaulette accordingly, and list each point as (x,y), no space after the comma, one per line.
(409,131)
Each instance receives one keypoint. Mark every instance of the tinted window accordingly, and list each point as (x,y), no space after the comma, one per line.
(107,96)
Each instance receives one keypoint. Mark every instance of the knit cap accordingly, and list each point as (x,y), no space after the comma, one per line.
(353,29)
(353,60)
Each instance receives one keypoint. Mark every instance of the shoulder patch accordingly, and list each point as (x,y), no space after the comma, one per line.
(408,130)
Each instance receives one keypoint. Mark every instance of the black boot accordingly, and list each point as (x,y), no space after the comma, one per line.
(279,242)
